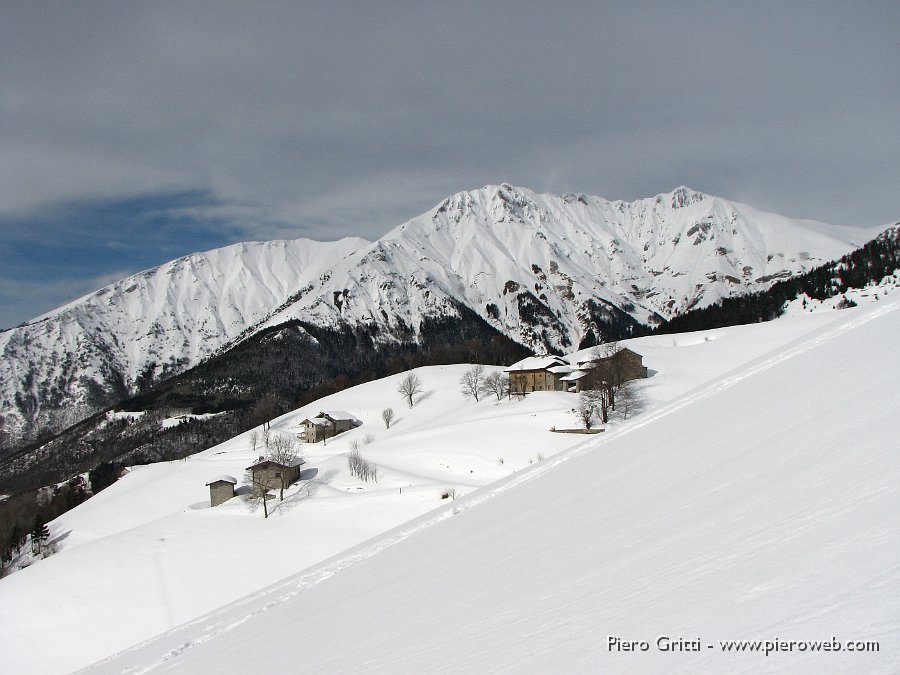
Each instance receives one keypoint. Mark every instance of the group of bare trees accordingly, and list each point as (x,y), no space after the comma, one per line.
(475,383)
(612,392)
(361,468)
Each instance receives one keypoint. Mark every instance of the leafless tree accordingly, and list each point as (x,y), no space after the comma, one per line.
(496,383)
(283,450)
(609,371)
(264,410)
(591,401)
(602,400)
(584,411)
(630,401)
(471,382)
(516,388)
(410,386)
(387,415)
(259,490)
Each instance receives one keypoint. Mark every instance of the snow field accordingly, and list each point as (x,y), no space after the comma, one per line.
(146,555)
(741,511)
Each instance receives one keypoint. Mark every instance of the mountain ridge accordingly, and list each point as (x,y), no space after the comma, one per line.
(552,272)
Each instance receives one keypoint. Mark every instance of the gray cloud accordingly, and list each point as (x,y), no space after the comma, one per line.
(310,119)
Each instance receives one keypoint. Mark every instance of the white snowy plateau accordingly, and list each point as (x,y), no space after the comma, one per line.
(753,498)
(483,249)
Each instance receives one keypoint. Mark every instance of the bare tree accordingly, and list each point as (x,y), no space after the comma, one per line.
(609,372)
(496,383)
(264,410)
(259,490)
(410,386)
(601,398)
(607,349)
(584,411)
(283,450)
(387,415)
(471,382)
(591,401)
(516,388)
(630,401)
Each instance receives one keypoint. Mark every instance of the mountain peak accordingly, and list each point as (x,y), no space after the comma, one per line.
(682,196)
(547,271)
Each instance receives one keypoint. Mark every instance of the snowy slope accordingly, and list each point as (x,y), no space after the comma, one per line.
(150,539)
(778,523)
(549,271)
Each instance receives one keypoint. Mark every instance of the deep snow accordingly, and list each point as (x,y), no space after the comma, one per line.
(615,528)
(760,506)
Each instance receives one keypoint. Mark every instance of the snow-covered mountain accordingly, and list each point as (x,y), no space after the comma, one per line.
(67,364)
(549,271)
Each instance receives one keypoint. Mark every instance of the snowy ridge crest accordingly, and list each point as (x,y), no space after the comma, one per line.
(553,272)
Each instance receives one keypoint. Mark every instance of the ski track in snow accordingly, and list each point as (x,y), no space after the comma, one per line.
(220,622)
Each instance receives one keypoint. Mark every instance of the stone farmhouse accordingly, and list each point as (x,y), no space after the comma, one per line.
(621,366)
(553,373)
(267,474)
(327,424)
(538,373)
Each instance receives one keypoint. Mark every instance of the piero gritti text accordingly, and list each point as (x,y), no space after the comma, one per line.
(665,643)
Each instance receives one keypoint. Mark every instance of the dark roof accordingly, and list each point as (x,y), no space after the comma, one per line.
(297,462)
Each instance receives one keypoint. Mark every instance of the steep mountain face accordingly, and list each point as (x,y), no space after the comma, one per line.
(558,272)
(551,272)
(65,365)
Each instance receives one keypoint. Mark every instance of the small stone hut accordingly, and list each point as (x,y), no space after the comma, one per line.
(221,489)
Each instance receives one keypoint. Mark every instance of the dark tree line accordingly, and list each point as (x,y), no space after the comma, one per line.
(871,263)
(28,514)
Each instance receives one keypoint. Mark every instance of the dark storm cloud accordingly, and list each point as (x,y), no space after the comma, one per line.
(306,119)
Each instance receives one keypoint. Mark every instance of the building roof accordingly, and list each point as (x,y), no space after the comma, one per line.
(338,415)
(592,361)
(535,363)
(573,376)
(297,461)
(224,479)
(560,369)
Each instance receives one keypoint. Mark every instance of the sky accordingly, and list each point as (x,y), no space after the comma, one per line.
(134,133)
